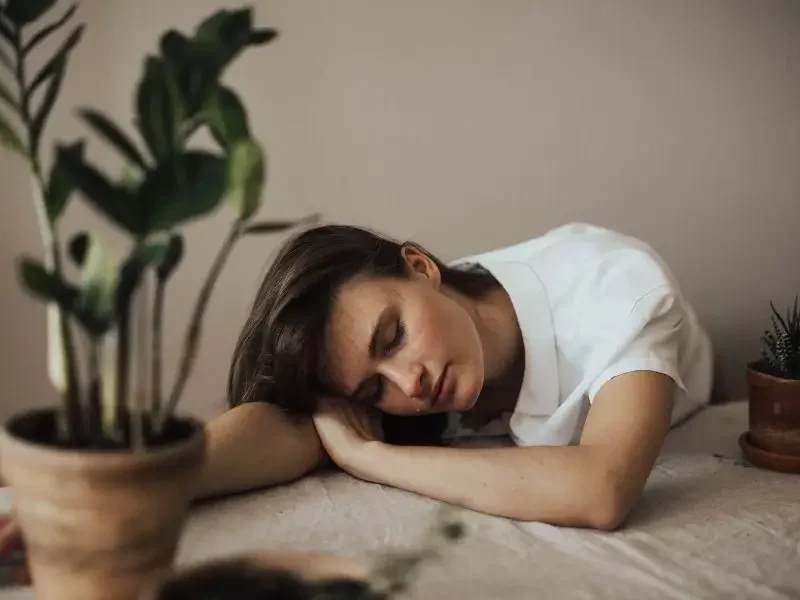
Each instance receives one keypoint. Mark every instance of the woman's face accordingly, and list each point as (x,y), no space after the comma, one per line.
(406,346)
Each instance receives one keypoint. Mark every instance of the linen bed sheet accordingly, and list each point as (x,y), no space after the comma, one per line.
(709,525)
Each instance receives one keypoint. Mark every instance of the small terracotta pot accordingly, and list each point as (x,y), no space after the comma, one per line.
(242,571)
(774,411)
(99,524)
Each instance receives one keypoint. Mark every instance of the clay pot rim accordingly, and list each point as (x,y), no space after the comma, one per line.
(776,461)
(754,369)
(190,449)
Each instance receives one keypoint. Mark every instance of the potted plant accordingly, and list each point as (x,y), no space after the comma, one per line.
(102,482)
(774,388)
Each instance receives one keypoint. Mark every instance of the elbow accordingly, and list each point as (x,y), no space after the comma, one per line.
(608,508)
(603,508)
(607,517)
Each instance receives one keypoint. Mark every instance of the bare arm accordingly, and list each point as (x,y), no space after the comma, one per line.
(256,445)
(594,484)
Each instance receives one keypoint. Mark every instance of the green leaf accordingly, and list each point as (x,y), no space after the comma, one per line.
(5,59)
(22,12)
(226,25)
(779,317)
(175,48)
(10,140)
(172,257)
(193,67)
(153,254)
(113,201)
(246,177)
(49,100)
(8,30)
(261,37)
(199,78)
(61,55)
(132,177)
(226,33)
(47,286)
(269,227)
(46,32)
(60,185)
(183,188)
(227,118)
(105,128)
(159,107)
(7,97)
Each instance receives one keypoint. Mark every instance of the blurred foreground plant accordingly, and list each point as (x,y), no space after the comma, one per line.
(166,184)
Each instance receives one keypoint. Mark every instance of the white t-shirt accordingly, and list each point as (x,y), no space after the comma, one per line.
(591,304)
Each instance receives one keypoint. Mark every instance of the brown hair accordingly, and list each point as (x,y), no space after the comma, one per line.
(279,357)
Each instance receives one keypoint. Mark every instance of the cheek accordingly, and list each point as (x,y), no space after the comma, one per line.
(397,403)
(447,325)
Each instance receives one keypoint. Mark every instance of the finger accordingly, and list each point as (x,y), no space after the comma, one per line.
(10,534)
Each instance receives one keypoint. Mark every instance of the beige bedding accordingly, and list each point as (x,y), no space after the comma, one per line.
(708,526)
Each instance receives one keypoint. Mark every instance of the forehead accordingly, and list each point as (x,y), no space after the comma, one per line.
(354,313)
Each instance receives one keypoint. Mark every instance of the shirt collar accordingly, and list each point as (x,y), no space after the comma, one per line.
(539,394)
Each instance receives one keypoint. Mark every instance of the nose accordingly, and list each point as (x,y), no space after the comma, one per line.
(408,378)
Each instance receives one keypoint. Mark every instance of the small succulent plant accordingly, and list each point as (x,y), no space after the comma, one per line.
(780,352)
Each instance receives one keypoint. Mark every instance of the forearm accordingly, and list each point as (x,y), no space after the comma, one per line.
(256,445)
(556,485)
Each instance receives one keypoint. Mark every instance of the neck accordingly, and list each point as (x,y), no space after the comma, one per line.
(498,328)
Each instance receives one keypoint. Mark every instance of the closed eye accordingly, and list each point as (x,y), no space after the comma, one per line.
(371,389)
(397,338)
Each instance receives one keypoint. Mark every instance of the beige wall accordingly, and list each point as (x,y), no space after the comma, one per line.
(468,124)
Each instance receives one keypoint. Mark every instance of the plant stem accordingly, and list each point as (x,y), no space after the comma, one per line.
(140,397)
(72,418)
(158,316)
(123,351)
(192,339)
(109,382)
(95,386)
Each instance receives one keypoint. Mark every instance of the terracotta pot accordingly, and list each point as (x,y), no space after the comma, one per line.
(774,411)
(259,575)
(98,524)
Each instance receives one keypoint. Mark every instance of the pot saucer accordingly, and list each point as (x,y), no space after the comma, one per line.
(785,463)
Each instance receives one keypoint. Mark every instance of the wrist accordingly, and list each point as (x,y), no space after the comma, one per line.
(366,462)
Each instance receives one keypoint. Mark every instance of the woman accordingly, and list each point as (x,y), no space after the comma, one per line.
(375,355)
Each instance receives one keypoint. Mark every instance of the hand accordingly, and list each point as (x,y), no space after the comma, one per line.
(347,430)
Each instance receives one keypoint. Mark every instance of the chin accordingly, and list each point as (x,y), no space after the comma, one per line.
(466,399)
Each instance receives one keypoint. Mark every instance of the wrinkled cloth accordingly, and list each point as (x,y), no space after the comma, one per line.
(709,525)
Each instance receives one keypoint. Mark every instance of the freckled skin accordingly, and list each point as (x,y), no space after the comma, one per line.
(429,329)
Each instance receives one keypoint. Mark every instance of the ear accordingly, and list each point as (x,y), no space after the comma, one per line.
(421,266)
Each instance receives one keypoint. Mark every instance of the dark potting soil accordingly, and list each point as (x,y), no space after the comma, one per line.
(41,427)
(763,366)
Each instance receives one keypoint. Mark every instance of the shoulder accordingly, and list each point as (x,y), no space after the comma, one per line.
(582,260)
(603,259)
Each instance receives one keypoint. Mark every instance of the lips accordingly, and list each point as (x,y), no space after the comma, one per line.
(439,388)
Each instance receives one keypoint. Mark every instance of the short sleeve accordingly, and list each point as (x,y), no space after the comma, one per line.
(654,344)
